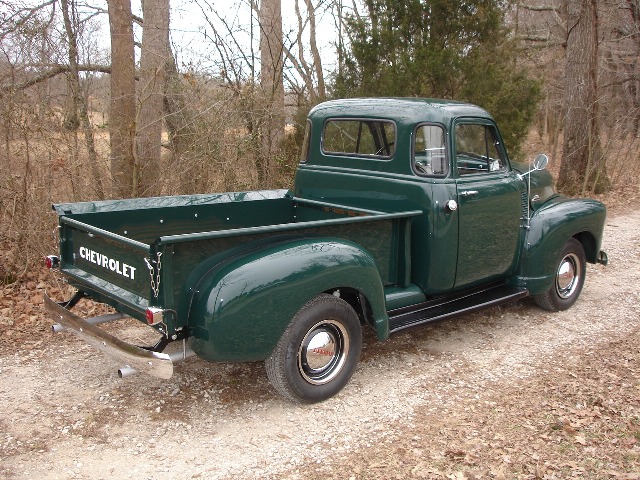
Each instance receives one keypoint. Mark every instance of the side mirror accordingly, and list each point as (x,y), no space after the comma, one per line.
(541,161)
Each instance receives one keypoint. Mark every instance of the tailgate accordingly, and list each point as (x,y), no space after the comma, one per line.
(111,265)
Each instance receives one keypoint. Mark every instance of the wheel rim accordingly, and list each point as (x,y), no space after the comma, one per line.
(568,276)
(323,352)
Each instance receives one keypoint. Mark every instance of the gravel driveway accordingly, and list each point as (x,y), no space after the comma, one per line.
(466,398)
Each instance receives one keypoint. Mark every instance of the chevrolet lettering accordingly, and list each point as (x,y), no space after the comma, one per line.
(109,263)
(402,212)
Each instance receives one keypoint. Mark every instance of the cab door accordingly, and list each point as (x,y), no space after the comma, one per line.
(489,205)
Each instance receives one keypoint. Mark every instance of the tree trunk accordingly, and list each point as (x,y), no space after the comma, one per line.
(122,109)
(153,67)
(583,166)
(317,60)
(633,88)
(271,81)
(315,94)
(79,102)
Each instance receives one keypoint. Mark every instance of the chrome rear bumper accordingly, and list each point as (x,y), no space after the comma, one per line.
(153,363)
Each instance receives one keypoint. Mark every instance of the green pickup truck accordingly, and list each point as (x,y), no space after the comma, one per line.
(403,212)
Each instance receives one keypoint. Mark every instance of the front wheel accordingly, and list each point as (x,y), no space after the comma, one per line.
(318,352)
(569,279)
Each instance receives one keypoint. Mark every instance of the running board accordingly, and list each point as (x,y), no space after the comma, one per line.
(452,306)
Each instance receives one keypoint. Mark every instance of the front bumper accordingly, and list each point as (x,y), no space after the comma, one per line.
(602,258)
(153,363)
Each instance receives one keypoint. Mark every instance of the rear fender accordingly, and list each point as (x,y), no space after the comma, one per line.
(551,227)
(240,308)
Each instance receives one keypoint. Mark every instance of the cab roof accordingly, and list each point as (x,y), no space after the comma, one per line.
(401,110)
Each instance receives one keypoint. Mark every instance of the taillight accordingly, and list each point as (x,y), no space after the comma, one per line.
(154,315)
(52,261)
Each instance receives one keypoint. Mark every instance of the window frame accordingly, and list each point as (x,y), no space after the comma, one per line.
(306,142)
(447,157)
(359,155)
(486,124)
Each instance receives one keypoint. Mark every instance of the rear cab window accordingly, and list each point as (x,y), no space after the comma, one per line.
(360,137)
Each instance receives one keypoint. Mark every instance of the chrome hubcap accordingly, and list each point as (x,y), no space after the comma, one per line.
(568,276)
(323,352)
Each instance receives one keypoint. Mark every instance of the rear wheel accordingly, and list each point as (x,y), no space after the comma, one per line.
(318,352)
(568,281)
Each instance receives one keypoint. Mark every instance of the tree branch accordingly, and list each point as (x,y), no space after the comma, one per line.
(54,70)
(99,10)
(19,17)
(621,82)
(541,8)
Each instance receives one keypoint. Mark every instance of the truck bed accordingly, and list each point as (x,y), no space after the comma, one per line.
(146,220)
(132,254)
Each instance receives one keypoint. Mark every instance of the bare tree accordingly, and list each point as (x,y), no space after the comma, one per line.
(272,84)
(312,73)
(122,111)
(79,111)
(154,58)
(621,64)
(583,167)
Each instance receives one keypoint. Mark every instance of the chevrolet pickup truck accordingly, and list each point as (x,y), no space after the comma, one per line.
(403,212)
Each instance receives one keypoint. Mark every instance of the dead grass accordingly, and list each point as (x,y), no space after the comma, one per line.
(43,167)
(48,166)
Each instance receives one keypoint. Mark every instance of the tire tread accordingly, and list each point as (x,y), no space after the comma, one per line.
(550,300)
(275,364)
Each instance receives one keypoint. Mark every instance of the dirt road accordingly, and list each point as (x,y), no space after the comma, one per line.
(512,392)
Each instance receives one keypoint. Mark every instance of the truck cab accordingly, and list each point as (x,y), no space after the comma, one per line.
(448,160)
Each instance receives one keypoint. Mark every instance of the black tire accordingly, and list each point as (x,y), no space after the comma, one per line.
(318,352)
(569,279)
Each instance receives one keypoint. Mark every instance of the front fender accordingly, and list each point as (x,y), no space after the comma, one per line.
(240,309)
(551,227)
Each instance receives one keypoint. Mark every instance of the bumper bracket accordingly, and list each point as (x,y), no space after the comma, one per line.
(153,363)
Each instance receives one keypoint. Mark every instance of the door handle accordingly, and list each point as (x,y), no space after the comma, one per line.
(469,193)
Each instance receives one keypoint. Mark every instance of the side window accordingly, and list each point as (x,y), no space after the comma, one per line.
(478,149)
(359,137)
(429,153)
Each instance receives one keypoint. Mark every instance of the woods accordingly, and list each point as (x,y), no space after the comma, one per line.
(441,49)
(106,103)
